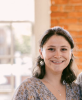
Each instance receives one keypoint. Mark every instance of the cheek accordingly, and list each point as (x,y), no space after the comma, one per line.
(69,56)
(46,55)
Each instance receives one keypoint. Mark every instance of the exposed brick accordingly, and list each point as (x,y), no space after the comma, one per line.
(63,26)
(59,1)
(68,21)
(68,15)
(78,8)
(77,54)
(75,14)
(54,8)
(80,21)
(77,40)
(78,60)
(75,27)
(54,21)
(79,46)
(80,33)
(68,8)
(52,2)
(61,8)
(53,25)
(74,33)
(79,66)
(58,14)
(75,1)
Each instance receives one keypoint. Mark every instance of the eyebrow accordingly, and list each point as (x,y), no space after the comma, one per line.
(55,46)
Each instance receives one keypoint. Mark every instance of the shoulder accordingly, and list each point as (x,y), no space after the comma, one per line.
(79,78)
(29,83)
(74,91)
(74,87)
(30,80)
(26,89)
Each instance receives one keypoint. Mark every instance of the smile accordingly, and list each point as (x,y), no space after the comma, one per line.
(57,62)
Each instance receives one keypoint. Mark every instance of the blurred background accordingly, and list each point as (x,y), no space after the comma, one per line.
(22,22)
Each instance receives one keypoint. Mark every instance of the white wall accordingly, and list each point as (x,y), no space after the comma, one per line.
(42,21)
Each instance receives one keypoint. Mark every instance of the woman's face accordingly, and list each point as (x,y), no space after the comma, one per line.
(56,53)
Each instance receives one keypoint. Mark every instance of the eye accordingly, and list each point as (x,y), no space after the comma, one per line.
(63,49)
(51,49)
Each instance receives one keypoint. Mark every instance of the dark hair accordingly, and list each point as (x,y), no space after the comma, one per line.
(67,75)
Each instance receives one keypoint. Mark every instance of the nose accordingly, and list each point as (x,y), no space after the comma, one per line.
(57,54)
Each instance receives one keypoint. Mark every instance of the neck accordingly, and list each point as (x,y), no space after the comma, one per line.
(53,76)
(56,78)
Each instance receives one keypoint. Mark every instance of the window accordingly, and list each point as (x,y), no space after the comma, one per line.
(15,54)
(15,44)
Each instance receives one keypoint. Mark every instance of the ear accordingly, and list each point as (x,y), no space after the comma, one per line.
(40,51)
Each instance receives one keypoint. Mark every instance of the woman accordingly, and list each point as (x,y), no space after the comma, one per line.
(53,76)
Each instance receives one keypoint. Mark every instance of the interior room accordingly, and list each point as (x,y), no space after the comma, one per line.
(22,22)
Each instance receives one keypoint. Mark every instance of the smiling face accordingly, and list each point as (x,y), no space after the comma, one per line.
(56,53)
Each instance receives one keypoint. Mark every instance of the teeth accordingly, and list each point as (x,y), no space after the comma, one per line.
(58,62)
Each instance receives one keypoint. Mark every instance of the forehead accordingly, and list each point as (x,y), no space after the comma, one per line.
(57,40)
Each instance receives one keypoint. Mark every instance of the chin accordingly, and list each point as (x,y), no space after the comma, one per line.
(58,71)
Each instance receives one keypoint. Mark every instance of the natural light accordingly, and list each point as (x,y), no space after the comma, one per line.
(15,10)
(16,18)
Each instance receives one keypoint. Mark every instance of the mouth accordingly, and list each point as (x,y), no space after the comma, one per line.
(57,62)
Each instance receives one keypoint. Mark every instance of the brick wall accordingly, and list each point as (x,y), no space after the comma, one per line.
(68,14)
